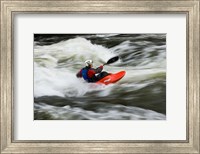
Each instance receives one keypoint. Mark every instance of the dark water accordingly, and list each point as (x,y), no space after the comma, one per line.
(141,94)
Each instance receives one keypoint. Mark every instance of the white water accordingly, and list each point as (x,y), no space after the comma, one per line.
(133,113)
(52,78)
(56,65)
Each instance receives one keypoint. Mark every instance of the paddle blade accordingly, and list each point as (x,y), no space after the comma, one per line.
(112,60)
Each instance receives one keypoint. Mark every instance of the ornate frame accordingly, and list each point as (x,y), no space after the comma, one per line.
(11,7)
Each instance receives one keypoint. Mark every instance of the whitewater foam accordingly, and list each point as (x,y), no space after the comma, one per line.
(56,65)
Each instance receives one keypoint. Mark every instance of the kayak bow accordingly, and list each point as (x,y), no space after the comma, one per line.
(112,78)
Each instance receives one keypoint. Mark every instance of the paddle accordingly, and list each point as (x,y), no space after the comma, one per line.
(112,60)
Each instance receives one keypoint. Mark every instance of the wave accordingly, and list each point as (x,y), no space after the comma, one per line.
(117,112)
(55,65)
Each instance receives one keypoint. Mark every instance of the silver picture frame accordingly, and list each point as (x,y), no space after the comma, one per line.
(11,7)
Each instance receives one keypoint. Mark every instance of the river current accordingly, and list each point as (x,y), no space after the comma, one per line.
(60,95)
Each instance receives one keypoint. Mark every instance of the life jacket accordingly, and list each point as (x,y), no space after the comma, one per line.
(85,74)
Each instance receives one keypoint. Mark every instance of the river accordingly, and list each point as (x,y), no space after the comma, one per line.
(60,95)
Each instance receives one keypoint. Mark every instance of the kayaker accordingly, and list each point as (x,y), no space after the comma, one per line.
(89,74)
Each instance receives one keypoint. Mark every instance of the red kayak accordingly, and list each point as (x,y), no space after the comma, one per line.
(112,78)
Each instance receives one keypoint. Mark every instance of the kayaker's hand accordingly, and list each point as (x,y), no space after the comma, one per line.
(101,66)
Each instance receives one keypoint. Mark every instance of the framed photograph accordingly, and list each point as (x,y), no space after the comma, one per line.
(127,64)
(99,76)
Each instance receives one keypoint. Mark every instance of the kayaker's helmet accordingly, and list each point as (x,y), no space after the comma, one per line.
(89,63)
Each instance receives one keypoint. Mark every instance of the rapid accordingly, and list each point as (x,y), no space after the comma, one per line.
(60,95)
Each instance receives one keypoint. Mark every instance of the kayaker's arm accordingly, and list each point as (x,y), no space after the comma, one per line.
(79,74)
(93,71)
(99,69)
